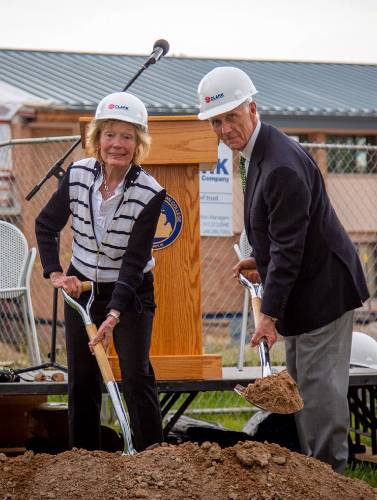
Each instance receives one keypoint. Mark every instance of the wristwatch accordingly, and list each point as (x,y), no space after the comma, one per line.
(114,314)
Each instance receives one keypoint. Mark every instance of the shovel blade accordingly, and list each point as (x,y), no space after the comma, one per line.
(240,389)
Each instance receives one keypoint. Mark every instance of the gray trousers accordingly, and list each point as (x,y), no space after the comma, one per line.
(319,362)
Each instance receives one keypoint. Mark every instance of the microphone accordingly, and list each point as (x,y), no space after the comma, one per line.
(160,48)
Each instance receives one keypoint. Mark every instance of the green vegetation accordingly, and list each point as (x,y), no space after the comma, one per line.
(57,399)
(365,472)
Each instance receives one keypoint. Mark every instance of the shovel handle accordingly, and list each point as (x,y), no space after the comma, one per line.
(86,286)
(100,355)
(256,305)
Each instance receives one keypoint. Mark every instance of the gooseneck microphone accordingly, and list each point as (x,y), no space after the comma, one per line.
(160,48)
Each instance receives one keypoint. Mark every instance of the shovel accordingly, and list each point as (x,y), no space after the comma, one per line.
(280,379)
(104,365)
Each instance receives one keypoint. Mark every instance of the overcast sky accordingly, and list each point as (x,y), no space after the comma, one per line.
(304,30)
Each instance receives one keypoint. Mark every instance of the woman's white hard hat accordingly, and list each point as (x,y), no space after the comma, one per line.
(223,89)
(123,106)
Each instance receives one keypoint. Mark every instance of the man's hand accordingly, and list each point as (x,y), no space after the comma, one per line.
(265,328)
(248,268)
(70,284)
(104,334)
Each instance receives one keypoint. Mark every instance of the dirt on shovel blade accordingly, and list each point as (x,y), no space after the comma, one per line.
(277,393)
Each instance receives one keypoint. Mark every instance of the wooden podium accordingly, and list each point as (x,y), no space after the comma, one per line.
(180,144)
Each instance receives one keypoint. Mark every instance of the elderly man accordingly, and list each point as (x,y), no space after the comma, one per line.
(309,268)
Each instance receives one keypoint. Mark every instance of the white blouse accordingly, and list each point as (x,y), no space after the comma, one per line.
(104,210)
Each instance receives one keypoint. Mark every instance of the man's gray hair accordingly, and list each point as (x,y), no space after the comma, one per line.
(246,103)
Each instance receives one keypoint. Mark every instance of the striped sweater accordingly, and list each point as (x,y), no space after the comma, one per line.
(124,254)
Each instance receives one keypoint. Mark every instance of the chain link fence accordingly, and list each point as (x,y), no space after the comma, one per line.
(351,181)
(23,164)
(350,175)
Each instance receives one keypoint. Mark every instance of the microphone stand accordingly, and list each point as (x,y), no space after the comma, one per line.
(57,168)
(57,171)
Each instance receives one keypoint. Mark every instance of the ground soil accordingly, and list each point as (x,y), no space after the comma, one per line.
(246,471)
(277,393)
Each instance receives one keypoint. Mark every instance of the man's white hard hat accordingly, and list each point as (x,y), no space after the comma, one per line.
(363,350)
(123,106)
(223,89)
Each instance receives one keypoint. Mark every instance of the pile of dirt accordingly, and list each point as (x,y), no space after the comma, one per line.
(277,393)
(247,471)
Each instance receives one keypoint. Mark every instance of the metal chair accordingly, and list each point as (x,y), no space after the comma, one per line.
(246,250)
(16,264)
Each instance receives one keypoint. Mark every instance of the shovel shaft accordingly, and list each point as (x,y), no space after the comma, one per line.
(86,286)
(112,389)
(100,355)
(264,355)
(256,305)
(104,365)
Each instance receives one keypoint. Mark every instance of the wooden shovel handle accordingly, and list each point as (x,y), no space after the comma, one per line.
(86,286)
(100,354)
(256,305)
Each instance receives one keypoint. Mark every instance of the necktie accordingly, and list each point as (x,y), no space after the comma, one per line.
(242,167)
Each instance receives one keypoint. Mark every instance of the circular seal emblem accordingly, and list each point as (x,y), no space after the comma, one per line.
(169,224)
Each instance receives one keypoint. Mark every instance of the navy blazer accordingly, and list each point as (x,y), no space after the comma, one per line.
(309,267)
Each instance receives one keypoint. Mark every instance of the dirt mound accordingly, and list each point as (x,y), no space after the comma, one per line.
(247,471)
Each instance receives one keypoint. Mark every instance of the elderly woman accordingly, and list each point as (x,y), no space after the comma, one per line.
(115,206)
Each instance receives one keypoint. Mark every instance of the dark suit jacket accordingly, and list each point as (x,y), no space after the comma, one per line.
(309,267)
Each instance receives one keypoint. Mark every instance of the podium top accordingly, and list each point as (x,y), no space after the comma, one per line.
(176,140)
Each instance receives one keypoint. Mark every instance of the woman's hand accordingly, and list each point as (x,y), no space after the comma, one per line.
(70,284)
(104,334)
(248,268)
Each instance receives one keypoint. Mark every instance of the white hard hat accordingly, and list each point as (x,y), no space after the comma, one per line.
(124,107)
(363,350)
(223,89)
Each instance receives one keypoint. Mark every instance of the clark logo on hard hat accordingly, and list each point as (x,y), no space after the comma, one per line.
(125,107)
(214,97)
(223,89)
(117,106)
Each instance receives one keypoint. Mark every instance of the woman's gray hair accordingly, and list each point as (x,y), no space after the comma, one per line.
(143,140)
